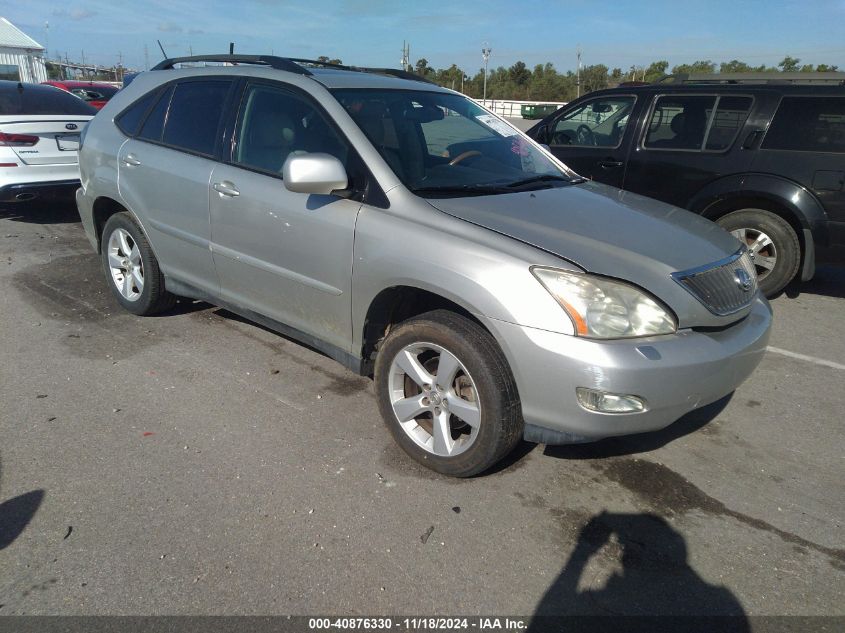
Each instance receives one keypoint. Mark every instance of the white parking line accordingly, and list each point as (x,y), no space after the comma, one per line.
(809,359)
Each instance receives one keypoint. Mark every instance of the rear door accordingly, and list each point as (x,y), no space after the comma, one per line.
(41,125)
(593,137)
(806,143)
(164,171)
(687,141)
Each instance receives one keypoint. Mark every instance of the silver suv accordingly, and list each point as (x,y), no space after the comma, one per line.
(413,236)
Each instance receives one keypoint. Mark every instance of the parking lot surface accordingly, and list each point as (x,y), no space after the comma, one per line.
(195,463)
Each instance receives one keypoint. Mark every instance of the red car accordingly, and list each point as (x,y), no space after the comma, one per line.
(92,92)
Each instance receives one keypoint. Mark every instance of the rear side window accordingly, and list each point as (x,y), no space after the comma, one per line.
(130,119)
(696,122)
(154,124)
(731,113)
(41,100)
(194,115)
(808,124)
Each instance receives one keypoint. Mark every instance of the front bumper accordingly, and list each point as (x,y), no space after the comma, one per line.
(674,374)
(28,191)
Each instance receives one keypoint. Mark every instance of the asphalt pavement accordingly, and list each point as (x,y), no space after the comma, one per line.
(196,463)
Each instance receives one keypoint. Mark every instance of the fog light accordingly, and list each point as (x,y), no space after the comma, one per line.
(604,402)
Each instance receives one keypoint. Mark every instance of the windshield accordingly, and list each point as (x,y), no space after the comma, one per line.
(445,144)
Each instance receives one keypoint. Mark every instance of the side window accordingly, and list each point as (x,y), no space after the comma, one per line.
(808,124)
(596,123)
(679,122)
(275,124)
(130,119)
(154,124)
(194,115)
(731,113)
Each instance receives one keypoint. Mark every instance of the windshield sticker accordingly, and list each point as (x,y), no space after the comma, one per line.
(496,125)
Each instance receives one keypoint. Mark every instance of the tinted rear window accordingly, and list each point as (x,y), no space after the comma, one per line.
(154,124)
(129,120)
(808,124)
(34,99)
(194,115)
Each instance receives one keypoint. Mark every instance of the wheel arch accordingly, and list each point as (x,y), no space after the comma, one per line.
(103,208)
(396,304)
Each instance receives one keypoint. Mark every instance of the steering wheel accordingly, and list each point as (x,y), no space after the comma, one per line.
(585,135)
(468,154)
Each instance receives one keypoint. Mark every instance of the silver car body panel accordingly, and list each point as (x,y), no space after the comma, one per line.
(312,266)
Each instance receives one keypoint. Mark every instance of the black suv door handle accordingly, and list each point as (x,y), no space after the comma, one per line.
(610,164)
(751,139)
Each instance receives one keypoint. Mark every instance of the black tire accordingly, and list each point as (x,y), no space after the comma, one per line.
(153,297)
(501,424)
(785,241)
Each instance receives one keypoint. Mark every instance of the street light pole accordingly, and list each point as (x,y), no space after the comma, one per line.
(485,53)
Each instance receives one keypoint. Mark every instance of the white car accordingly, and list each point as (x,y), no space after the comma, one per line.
(40,129)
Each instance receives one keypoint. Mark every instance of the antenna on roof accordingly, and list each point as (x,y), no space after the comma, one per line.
(231,48)
(162,49)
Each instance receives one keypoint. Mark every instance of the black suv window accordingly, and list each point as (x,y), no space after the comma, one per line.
(683,122)
(194,115)
(596,123)
(275,123)
(808,124)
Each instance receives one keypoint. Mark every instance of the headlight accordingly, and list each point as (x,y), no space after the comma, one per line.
(601,308)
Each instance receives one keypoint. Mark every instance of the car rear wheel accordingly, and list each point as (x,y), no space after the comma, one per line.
(131,268)
(447,395)
(772,242)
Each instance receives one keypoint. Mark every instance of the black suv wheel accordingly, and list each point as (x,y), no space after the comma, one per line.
(773,244)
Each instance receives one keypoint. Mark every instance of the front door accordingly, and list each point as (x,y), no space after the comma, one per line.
(285,255)
(592,138)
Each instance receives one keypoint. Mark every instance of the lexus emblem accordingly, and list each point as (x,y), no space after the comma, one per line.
(742,279)
(71,126)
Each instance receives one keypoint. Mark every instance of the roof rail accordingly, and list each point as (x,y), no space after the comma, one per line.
(279,63)
(393,72)
(291,64)
(831,78)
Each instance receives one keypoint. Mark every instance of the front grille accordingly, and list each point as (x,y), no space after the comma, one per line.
(719,286)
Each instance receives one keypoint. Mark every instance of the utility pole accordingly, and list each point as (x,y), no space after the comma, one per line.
(485,54)
(578,71)
(146,58)
(47,40)
(406,55)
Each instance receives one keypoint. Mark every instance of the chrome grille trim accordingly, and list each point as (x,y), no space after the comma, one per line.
(716,285)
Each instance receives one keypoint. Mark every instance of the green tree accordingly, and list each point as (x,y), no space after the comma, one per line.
(789,64)
(656,70)
(735,66)
(701,66)
(422,67)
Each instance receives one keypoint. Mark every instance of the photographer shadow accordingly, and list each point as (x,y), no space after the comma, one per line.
(656,589)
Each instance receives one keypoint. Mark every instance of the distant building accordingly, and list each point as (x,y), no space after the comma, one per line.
(21,57)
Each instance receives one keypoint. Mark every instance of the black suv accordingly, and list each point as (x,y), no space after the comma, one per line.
(763,157)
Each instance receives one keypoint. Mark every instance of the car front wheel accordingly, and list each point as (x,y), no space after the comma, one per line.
(447,395)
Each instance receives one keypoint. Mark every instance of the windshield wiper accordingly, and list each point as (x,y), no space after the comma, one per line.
(534,179)
(463,189)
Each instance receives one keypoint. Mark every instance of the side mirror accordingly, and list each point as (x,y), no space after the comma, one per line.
(314,173)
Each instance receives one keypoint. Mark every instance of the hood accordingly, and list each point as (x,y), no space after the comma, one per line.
(609,232)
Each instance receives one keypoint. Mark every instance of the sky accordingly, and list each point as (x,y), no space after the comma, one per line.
(617,33)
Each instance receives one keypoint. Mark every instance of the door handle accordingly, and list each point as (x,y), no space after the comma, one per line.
(751,139)
(226,188)
(131,160)
(610,164)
